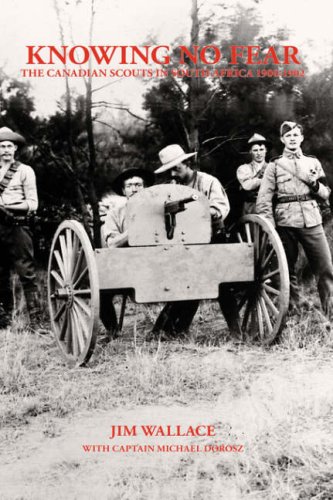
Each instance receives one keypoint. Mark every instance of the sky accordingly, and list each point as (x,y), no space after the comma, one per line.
(131,22)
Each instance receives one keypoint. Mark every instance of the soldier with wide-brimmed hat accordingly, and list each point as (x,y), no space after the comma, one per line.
(18,199)
(175,162)
(250,174)
(127,183)
(177,316)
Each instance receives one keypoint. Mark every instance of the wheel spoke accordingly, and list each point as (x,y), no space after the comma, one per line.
(260,320)
(78,264)
(270,275)
(79,335)
(270,304)
(266,315)
(83,322)
(69,245)
(256,242)
(271,289)
(85,270)
(248,232)
(268,258)
(68,334)
(82,293)
(60,263)
(75,343)
(64,254)
(60,312)
(263,245)
(239,237)
(75,253)
(63,327)
(82,305)
(58,279)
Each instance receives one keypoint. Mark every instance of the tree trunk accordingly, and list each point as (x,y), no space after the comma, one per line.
(194,83)
(92,167)
(91,144)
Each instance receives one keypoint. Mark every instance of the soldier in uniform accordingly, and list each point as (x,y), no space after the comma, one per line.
(126,184)
(18,199)
(297,181)
(250,175)
(129,182)
(177,316)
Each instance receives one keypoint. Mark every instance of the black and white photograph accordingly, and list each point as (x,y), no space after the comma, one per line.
(166,236)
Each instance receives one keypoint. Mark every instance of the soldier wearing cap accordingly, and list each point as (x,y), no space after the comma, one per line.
(18,198)
(250,175)
(177,316)
(297,181)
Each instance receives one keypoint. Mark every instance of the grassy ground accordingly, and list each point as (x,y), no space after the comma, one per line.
(276,402)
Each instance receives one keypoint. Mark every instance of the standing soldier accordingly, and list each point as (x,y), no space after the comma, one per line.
(250,175)
(18,199)
(296,182)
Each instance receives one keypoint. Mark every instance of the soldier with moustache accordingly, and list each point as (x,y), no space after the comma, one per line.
(18,199)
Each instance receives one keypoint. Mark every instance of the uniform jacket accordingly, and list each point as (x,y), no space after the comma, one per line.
(284,177)
(21,187)
(247,176)
(212,188)
(115,220)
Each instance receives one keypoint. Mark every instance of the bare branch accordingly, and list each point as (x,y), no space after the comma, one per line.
(106,85)
(230,139)
(121,107)
(108,125)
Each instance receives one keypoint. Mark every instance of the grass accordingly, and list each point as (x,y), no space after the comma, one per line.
(277,401)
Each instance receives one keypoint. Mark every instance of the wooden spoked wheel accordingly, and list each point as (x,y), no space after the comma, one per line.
(263,303)
(73,292)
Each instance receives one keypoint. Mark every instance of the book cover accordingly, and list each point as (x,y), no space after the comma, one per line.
(88,411)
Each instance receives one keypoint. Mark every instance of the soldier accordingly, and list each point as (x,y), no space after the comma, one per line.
(175,161)
(18,199)
(126,184)
(177,316)
(250,175)
(297,181)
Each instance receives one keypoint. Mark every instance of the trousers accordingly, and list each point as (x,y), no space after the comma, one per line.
(16,253)
(317,251)
(177,316)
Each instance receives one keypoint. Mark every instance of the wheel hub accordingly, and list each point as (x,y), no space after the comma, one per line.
(65,293)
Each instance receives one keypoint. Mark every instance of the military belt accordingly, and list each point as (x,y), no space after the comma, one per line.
(21,220)
(294,197)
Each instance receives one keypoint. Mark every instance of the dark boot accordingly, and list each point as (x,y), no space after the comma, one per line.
(35,314)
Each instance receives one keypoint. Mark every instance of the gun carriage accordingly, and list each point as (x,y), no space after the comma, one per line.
(169,241)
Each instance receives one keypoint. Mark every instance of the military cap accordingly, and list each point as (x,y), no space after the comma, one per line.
(287,126)
(257,139)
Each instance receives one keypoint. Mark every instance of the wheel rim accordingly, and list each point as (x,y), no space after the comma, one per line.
(263,303)
(73,292)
